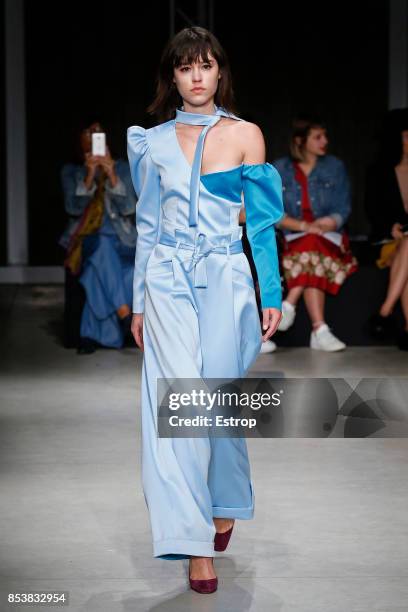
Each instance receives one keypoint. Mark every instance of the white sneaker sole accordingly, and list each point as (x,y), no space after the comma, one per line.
(285,326)
(314,346)
(286,321)
(267,349)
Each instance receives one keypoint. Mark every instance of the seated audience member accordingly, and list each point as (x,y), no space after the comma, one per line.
(316,257)
(100,241)
(386,204)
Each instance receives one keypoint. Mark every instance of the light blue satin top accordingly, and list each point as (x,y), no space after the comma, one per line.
(173,195)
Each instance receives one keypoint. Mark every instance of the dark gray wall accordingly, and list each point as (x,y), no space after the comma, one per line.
(3,217)
(89,58)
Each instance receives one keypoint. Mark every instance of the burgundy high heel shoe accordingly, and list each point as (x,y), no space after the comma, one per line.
(221,539)
(204,586)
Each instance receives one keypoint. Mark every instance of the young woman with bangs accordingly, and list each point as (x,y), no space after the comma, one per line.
(195,312)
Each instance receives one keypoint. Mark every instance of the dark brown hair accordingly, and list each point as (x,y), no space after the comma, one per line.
(77,155)
(301,127)
(188,46)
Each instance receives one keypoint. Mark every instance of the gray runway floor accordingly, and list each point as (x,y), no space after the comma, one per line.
(330,532)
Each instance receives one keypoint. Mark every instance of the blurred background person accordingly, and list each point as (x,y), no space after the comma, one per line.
(386,204)
(100,241)
(316,257)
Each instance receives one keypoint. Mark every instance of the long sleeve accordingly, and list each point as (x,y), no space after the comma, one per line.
(118,190)
(342,196)
(262,187)
(146,182)
(123,194)
(76,196)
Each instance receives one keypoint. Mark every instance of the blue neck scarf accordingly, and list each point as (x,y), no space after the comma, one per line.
(208,121)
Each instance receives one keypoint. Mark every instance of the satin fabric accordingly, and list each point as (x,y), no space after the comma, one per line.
(200,320)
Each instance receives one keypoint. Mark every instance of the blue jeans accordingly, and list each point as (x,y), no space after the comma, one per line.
(107,278)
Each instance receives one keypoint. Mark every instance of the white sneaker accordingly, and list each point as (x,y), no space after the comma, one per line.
(288,316)
(268,347)
(323,340)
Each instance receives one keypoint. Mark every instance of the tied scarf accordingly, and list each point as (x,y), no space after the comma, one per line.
(207,121)
(90,222)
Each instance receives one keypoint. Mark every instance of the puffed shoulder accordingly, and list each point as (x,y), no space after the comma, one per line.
(137,140)
(262,186)
(259,171)
(264,175)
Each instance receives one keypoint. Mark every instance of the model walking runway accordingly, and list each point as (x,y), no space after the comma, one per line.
(200,320)
(194,304)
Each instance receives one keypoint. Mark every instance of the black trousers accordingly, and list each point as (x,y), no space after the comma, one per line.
(247,250)
(248,253)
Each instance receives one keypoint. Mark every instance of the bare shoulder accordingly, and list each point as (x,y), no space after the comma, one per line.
(252,142)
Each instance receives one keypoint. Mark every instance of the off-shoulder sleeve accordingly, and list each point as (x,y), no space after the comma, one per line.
(146,182)
(262,187)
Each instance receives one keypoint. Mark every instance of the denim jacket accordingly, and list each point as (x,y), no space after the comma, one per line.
(328,185)
(119,201)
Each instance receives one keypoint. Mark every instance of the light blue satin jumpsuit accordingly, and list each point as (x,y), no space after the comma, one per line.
(193,283)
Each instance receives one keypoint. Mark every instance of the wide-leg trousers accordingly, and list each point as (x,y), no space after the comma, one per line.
(193,332)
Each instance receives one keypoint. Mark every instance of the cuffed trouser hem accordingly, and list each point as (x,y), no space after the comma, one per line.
(183,547)
(233,513)
(236,513)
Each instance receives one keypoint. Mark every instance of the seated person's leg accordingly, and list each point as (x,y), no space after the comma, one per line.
(382,324)
(107,282)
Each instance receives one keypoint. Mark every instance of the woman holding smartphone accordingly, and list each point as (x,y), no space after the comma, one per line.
(195,312)
(99,240)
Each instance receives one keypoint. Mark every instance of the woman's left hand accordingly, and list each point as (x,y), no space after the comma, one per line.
(327,224)
(270,321)
(108,165)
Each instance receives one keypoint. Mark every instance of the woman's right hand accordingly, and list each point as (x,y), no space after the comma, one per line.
(396,231)
(91,163)
(137,329)
(313,228)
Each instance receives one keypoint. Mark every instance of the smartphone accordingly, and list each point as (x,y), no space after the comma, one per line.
(99,143)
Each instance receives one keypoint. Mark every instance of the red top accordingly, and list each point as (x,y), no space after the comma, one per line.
(301,178)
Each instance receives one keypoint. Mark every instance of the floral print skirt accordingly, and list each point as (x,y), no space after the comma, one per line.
(314,261)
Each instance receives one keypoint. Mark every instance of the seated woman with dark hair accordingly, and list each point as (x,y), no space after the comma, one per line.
(100,242)
(386,204)
(316,256)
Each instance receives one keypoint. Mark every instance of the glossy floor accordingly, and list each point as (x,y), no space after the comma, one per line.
(330,532)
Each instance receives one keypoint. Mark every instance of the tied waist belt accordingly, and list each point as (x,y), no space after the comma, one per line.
(201,246)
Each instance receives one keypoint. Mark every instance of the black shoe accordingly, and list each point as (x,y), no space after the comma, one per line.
(382,328)
(402,340)
(86,346)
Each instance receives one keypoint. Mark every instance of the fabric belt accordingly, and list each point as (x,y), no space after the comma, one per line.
(201,245)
